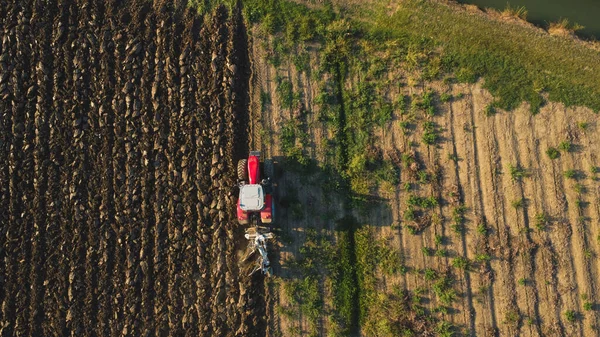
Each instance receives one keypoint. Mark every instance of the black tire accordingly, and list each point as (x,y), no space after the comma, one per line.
(242,169)
(269,169)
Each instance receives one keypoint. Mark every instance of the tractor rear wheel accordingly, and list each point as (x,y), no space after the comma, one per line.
(242,169)
(269,169)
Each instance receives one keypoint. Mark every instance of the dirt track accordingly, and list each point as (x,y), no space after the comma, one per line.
(121,123)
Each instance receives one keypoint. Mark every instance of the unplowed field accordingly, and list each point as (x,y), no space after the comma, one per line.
(525,225)
(120,122)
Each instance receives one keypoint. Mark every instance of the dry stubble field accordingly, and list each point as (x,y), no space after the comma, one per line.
(516,232)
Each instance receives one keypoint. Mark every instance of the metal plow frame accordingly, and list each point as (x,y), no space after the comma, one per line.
(258,242)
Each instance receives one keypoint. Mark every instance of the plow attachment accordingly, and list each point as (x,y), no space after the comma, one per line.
(258,244)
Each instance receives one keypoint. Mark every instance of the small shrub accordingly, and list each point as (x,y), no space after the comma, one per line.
(407,159)
(522,281)
(409,214)
(512,317)
(286,94)
(565,146)
(583,125)
(483,289)
(519,203)
(482,229)
(588,306)
(265,99)
(447,296)
(453,157)
(301,61)
(427,100)
(400,104)
(442,309)
(413,200)
(541,220)
(430,136)
(423,177)
(384,114)
(570,174)
(418,310)
(594,170)
(453,195)
(483,257)
(443,290)
(563,28)
(579,188)
(405,126)
(515,12)
(412,230)
(571,316)
(458,228)
(525,230)
(458,213)
(430,202)
(430,110)
(441,253)
(430,274)
(444,329)
(427,251)
(552,153)
(489,110)
(439,240)
(517,172)
(461,262)
(419,291)
(445,97)
(436,219)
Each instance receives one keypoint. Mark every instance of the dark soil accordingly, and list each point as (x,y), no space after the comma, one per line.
(121,123)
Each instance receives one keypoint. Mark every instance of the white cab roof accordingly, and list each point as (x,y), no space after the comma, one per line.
(252,197)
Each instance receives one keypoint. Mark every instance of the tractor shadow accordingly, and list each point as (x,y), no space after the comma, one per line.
(313,208)
(315,202)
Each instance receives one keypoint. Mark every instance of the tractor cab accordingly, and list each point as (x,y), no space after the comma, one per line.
(255,202)
(252,197)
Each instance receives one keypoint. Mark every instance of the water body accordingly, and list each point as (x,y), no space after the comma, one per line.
(542,12)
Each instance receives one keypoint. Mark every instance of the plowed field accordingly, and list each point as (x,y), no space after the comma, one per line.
(120,127)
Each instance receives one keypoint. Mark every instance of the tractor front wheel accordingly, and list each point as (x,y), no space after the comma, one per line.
(242,169)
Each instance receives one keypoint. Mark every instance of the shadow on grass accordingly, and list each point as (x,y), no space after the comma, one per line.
(315,223)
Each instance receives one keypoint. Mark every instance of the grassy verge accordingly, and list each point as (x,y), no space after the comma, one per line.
(517,63)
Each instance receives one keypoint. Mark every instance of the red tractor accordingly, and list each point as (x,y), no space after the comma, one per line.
(255,203)
(256,206)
